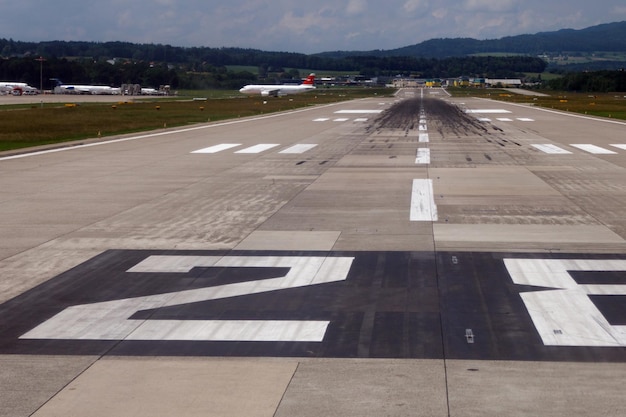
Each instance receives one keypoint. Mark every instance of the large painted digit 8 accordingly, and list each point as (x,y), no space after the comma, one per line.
(565,315)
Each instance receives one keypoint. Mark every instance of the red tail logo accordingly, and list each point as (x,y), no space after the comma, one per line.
(310,80)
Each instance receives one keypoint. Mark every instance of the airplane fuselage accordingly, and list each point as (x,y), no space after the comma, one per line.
(276,90)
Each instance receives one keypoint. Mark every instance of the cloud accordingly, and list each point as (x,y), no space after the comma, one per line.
(295,25)
(411,6)
(355,7)
(490,5)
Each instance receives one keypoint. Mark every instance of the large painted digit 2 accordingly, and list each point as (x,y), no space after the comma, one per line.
(110,320)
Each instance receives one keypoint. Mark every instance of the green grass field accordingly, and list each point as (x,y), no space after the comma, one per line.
(33,125)
(610,105)
(26,126)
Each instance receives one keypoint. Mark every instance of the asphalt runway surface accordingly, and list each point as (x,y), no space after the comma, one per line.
(420,255)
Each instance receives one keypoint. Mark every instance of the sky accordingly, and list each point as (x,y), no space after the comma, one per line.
(295,26)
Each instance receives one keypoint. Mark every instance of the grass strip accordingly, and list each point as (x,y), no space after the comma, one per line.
(29,126)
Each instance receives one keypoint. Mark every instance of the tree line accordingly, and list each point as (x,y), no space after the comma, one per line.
(596,81)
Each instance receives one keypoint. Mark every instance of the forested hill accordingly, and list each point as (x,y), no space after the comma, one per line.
(610,37)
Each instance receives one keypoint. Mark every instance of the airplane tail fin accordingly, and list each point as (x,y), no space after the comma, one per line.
(310,80)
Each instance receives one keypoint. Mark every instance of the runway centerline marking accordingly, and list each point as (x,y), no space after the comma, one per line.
(423,206)
(423,156)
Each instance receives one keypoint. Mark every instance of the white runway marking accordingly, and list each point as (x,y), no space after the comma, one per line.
(423,156)
(423,128)
(487,111)
(300,148)
(217,148)
(111,320)
(321,119)
(620,146)
(564,315)
(358,111)
(361,119)
(231,330)
(423,208)
(525,119)
(484,119)
(423,137)
(592,149)
(504,119)
(261,147)
(341,119)
(552,149)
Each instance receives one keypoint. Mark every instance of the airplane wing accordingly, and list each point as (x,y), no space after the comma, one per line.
(270,93)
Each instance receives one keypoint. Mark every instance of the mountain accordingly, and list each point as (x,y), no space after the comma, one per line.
(609,37)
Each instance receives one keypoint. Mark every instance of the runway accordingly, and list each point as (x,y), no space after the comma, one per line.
(418,255)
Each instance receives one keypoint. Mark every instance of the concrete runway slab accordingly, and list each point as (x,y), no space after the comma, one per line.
(165,387)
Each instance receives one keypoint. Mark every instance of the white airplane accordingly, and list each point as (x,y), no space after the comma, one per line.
(89,89)
(16,88)
(149,91)
(276,90)
(84,89)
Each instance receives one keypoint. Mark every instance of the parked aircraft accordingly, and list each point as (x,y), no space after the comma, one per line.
(276,90)
(15,88)
(84,89)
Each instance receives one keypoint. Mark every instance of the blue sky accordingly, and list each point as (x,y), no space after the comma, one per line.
(296,26)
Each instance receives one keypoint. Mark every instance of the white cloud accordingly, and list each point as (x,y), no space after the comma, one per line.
(295,25)
(356,7)
(490,5)
(411,6)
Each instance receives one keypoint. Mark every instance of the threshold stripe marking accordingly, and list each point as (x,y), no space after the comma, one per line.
(423,156)
(358,111)
(490,111)
(551,149)
(300,148)
(620,146)
(423,137)
(217,148)
(258,148)
(592,149)
(423,208)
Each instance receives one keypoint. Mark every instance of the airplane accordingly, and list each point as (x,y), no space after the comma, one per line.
(149,91)
(17,89)
(276,90)
(84,89)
